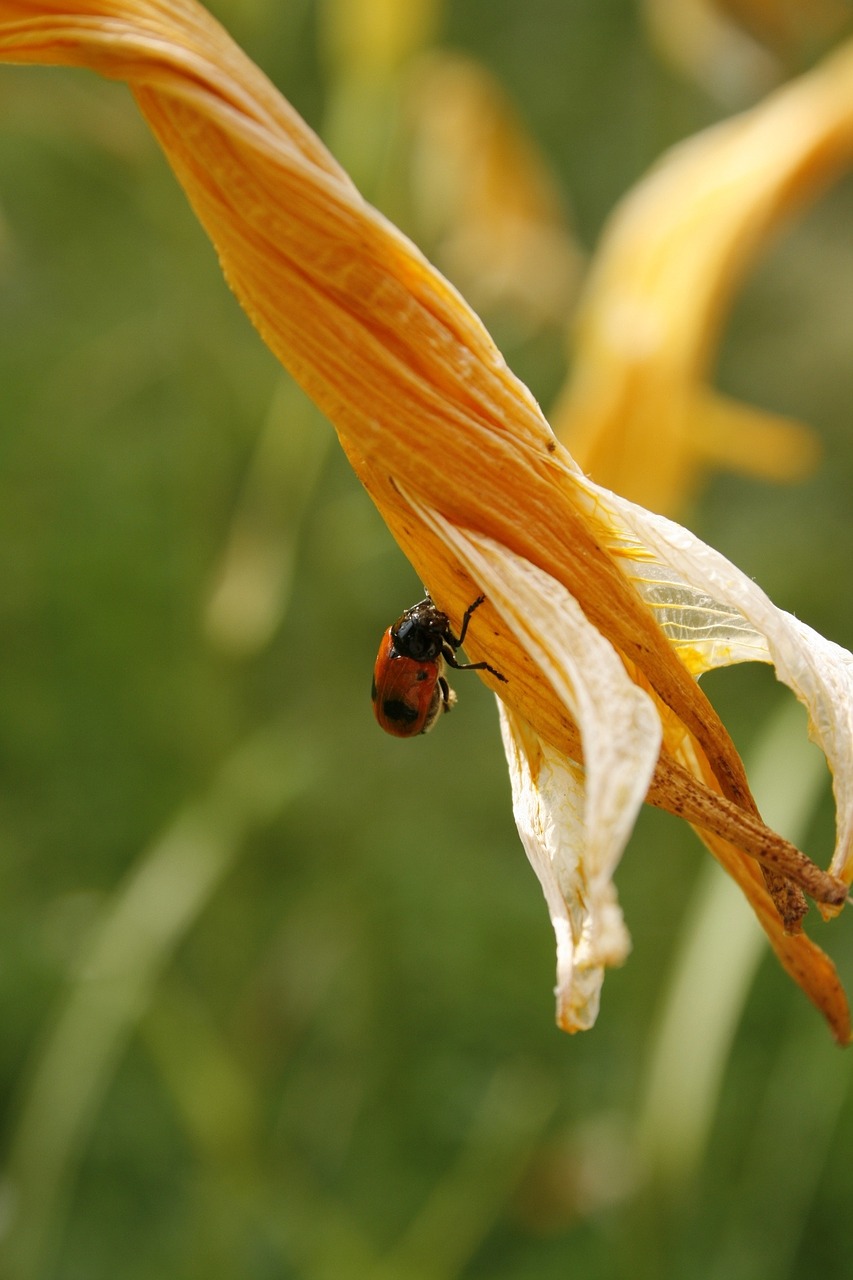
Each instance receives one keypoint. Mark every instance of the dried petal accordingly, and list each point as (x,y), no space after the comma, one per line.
(741,624)
(548,801)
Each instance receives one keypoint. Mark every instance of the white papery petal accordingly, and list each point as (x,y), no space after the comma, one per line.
(705,632)
(574,822)
(818,671)
(548,803)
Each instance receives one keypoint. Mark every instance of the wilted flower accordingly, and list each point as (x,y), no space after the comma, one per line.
(599,614)
(669,261)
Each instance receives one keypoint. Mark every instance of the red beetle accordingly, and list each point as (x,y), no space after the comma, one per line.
(409,688)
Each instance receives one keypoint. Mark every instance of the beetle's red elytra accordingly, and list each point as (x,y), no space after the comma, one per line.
(410,690)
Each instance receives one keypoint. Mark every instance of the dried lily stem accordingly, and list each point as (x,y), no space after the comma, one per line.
(677,791)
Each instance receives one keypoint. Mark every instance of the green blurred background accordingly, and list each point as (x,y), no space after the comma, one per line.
(275,990)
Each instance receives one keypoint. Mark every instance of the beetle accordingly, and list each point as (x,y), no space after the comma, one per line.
(409,690)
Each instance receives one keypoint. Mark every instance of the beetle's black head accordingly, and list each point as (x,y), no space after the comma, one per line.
(421,632)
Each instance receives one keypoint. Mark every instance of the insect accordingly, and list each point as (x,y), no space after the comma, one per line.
(409,690)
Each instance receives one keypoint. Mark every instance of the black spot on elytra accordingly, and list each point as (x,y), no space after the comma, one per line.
(394,709)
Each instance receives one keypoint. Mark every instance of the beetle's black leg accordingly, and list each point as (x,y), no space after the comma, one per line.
(467,617)
(451,644)
(450,658)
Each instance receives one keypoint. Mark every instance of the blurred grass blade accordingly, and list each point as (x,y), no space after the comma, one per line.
(465,1204)
(129,947)
(715,964)
(786,1154)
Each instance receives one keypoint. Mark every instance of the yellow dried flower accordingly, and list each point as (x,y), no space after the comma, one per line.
(668,264)
(599,614)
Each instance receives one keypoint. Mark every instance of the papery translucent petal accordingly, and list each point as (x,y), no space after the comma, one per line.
(818,671)
(705,632)
(548,801)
